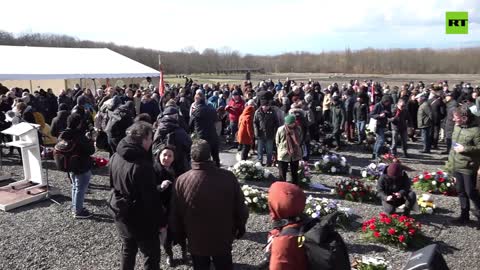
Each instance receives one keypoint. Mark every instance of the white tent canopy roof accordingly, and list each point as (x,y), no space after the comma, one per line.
(42,63)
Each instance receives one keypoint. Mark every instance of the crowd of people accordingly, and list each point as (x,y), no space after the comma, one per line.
(164,150)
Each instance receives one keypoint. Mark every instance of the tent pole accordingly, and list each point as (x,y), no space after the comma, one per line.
(65,81)
(31,87)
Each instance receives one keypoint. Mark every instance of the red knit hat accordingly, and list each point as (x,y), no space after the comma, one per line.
(395,170)
(285,200)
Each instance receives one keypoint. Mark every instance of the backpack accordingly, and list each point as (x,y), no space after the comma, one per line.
(162,140)
(324,247)
(65,155)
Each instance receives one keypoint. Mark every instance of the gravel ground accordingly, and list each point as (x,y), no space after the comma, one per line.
(45,236)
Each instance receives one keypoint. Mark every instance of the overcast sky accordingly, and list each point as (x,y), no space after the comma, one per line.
(249,26)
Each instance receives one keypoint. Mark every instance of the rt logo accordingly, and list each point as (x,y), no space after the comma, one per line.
(457,23)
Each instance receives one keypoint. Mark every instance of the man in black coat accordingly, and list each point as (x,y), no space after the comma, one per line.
(400,122)
(169,132)
(202,122)
(452,105)
(265,125)
(439,111)
(381,112)
(134,201)
(119,121)
(394,189)
(337,111)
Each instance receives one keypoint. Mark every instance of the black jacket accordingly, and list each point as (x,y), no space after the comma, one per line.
(59,123)
(400,120)
(379,109)
(180,139)
(162,174)
(338,117)
(449,123)
(439,110)
(360,112)
(202,122)
(134,192)
(65,100)
(386,185)
(119,121)
(84,148)
(265,124)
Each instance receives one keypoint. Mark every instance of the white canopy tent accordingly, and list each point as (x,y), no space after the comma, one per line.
(45,63)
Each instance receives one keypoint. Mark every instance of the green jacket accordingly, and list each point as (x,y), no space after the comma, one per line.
(281,140)
(466,162)
(424,115)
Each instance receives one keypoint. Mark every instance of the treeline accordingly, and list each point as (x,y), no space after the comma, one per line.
(366,61)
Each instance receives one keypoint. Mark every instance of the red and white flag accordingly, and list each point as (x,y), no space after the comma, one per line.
(161,82)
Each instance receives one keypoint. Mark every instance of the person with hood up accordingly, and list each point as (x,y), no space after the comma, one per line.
(169,132)
(246,133)
(286,203)
(394,189)
(289,150)
(59,123)
(134,201)
(81,175)
(119,121)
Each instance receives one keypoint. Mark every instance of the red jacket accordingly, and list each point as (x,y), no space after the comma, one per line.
(286,200)
(246,134)
(235,109)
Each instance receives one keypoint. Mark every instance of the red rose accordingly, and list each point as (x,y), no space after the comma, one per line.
(376,234)
(428,176)
(407,224)
(401,238)
(394,215)
(415,179)
(441,179)
(411,231)
(354,194)
(391,231)
(341,193)
(349,187)
(439,172)
(372,227)
(402,218)
(386,220)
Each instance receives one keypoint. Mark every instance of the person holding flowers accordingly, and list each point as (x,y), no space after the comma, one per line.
(394,189)
(463,162)
(289,149)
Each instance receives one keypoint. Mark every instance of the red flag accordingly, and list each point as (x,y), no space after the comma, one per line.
(161,82)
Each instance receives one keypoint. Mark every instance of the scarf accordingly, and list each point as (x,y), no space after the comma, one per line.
(292,140)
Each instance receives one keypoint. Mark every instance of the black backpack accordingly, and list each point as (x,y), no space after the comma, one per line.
(65,155)
(324,247)
(162,140)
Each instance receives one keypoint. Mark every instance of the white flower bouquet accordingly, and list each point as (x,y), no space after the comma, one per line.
(319,207)
(247,170)
(426,204)
(255,199)
(332,163)
(370,263)
(373,171)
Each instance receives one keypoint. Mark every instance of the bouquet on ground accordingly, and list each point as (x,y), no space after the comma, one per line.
(304,173)
(319,207)
(370,263)
(373,171)
(317,148)
(332,163)
(425,202)
(392,229)
(435,182)
(99,162)
(389,158)
(255,199)
(355,190)
(248,170)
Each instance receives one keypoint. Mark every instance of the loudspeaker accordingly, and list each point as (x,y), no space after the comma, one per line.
(427,258)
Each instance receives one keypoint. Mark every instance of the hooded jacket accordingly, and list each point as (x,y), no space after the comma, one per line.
(119,121)
(202,122)
(235,109)
(245,126)
(286,201)
(181,141)
(132,179)
(468,161)
(386,185)
(59,123)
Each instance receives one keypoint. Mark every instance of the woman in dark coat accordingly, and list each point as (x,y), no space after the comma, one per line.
(165,178)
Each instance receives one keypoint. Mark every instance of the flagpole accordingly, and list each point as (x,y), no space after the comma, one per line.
(161,86)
